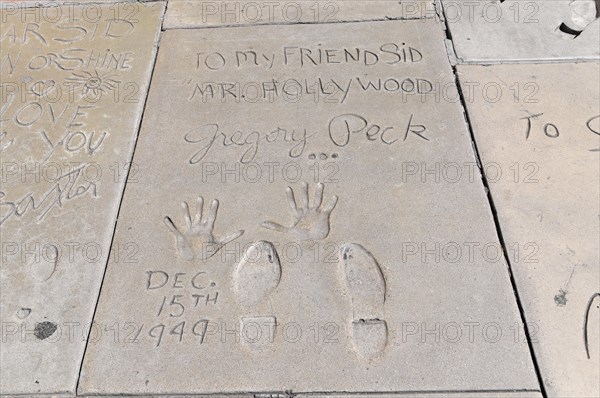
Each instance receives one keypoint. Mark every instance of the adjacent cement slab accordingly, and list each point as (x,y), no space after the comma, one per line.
(542,133)
(514,30)
(202,14)
(341,282)
(72,93)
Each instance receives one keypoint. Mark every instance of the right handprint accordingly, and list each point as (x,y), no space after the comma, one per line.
(311,222)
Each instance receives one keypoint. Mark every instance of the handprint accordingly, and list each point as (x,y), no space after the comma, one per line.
(310,222)
(199,230)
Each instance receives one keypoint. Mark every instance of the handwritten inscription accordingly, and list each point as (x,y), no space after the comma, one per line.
(327,90)
(177,301)
(68,187)
(66,31)
(295,56)
(550,130)
(63,65)
(209,137)
(343,127)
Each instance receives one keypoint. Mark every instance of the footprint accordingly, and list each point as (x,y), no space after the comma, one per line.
(255,278)
(45,266)
(257,274)
(366,285)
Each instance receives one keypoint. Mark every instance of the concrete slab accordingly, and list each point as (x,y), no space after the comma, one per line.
(330,266)
(542,133)
(493,31)
(202,14)
(72,94)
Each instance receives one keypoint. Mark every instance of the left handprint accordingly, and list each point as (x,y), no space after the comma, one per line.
(199,232)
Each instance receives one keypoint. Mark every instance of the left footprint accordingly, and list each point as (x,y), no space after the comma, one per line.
(255,277)
(257,274)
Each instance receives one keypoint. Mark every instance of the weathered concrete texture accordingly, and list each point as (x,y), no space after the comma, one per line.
(345,280)
(493,31)
(12,5)
(542,133)
(202,14)
(288,394)
(461,394)
(72,99)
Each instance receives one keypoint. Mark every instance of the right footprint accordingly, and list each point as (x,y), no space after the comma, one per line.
(366,286)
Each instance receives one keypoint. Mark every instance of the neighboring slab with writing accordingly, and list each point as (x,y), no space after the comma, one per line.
(358,276)
(514,30)
(542,133)
(72,98)
(201,14)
